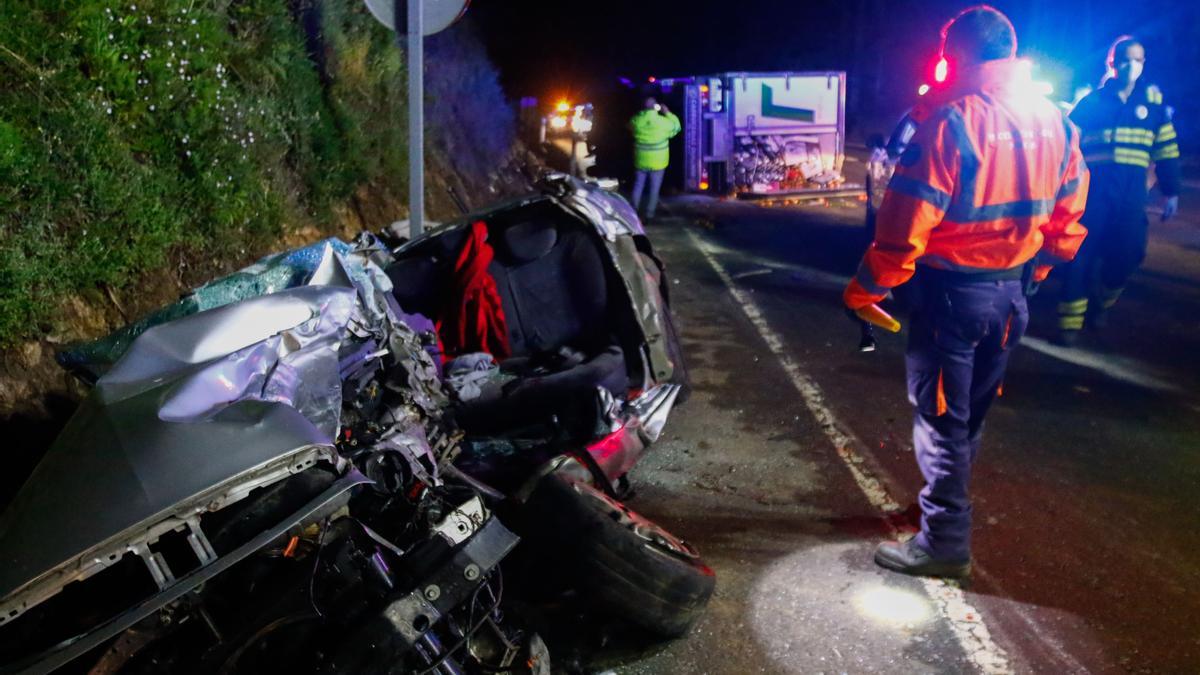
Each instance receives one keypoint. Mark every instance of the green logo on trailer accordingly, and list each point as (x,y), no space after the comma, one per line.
(770,109)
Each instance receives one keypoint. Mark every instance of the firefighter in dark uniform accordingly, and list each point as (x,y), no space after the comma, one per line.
(1125,127)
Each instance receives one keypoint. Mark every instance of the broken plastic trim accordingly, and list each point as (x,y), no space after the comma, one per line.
(137,540)
(653,407)
(63,653)
(643,420)
(461,523)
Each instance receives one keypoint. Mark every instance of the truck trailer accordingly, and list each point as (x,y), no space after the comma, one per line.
(764,135)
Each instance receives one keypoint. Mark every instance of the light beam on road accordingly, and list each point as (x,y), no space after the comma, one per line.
(893,606)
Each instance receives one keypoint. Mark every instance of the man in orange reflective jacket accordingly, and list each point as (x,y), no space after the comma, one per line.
(988,193)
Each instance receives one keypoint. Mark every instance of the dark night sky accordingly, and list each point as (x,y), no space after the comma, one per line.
(549,48)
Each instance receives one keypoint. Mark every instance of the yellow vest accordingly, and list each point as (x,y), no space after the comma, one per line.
(651,132)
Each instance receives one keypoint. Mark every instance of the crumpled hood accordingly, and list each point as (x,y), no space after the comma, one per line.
(169,423)
(192,407)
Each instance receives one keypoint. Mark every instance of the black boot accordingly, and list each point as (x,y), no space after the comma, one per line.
(908,558)
(866,342)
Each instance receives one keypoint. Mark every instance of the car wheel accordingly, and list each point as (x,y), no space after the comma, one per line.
(631,567)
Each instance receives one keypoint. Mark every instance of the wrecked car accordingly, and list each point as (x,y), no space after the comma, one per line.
(322,462)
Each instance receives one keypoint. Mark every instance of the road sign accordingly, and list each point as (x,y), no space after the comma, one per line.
(426,18)
(438,15)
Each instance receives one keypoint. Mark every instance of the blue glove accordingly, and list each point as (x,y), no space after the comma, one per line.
(1170,208)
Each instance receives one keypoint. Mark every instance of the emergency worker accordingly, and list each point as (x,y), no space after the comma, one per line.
(985,197)
(652,128)
(1126,126)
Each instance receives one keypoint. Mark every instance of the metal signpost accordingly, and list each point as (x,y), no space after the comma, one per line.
(425,17)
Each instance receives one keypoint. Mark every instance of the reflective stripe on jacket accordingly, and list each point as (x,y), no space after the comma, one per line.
(652,132)
(1130,133)
(992,179)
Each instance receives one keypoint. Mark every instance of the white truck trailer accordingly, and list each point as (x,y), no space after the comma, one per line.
(764,135)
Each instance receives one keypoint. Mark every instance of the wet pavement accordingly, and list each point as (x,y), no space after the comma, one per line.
(793,459)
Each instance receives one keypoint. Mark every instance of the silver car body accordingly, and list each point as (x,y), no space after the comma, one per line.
(197,413)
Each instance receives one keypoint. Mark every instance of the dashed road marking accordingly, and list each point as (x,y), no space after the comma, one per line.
(965,621)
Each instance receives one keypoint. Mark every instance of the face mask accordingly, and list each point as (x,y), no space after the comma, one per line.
(1134,70)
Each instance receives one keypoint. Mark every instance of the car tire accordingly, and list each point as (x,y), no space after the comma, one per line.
(633,569)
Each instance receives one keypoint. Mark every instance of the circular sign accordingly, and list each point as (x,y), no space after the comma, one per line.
(438,15)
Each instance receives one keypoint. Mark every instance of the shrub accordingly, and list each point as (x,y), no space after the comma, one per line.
(129,130)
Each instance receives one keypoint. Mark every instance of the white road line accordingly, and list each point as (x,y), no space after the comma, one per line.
(1116,367)
(810,276)
(965,621)
(752,273)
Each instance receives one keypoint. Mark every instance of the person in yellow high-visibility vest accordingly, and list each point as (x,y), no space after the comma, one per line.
(653,128)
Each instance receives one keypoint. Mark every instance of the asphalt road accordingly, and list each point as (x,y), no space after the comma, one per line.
(793,459)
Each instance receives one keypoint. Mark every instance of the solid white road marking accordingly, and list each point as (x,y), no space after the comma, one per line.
(965,621)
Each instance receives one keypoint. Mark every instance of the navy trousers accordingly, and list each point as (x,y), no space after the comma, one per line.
(961,336)
(1115,246)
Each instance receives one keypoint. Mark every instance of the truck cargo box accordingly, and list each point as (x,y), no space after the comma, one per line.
(764,134)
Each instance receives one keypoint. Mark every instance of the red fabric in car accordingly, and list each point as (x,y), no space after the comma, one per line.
(473,318)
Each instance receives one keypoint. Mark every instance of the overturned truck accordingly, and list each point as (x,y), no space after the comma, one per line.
(765,135)
(328,461)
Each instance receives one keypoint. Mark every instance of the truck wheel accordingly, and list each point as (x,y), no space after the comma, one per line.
(632,568)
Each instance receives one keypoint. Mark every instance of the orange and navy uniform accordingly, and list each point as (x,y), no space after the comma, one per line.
(992,180)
